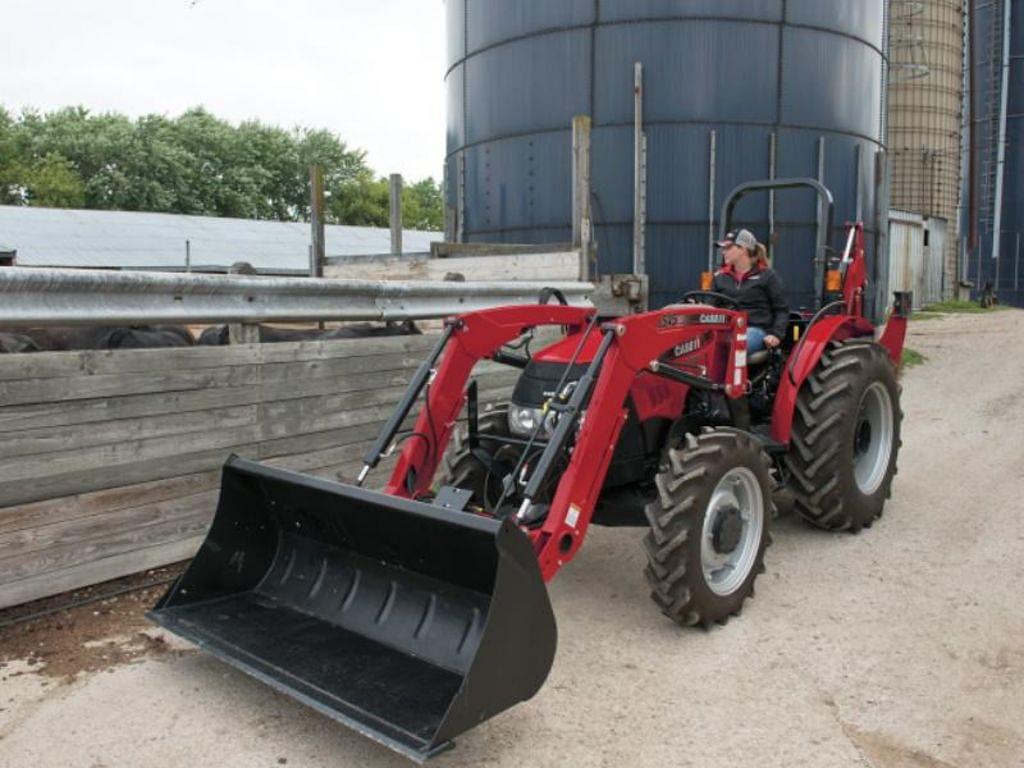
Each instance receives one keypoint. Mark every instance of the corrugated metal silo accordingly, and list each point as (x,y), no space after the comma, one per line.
(787,87)
(998,137)
(926,112)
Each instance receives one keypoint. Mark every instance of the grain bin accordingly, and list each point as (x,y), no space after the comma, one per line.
(733,91)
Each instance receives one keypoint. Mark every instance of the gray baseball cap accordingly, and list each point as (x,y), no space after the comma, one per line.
(741,237)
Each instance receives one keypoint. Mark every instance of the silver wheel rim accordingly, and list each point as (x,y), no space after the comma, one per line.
(872,438)
(737,493)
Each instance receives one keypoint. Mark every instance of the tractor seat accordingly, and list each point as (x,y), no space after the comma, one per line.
(755,359)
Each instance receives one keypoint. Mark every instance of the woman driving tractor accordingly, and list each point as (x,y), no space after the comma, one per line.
(747,279)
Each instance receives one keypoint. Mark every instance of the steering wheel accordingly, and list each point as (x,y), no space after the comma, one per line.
(692,296)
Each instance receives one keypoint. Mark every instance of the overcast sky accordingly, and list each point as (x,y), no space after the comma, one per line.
(369,70)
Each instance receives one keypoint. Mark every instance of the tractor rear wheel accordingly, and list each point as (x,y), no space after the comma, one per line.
(709,526)
(462,469)
(846,437)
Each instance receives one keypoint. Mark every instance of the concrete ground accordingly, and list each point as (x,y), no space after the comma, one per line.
(903,646)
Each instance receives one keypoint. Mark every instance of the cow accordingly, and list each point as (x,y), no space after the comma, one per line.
(146,337)
(13,343)
(59,339)
(218,335)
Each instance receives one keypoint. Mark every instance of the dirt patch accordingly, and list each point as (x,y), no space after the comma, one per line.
(84,631)
(883,750)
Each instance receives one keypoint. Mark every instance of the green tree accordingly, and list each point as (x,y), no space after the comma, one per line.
(195,163)
(423,205)
(53,182)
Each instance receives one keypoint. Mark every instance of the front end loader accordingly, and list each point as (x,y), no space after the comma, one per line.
(415,613)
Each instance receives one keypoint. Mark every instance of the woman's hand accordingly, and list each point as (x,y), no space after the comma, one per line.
(772,341)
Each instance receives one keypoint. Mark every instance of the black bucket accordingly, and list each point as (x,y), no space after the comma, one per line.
(409,622)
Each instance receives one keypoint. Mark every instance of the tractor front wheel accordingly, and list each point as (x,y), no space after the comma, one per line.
(846,436)
(463,469)
(709,527)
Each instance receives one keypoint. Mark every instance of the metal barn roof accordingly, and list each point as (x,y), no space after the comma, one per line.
(52,237)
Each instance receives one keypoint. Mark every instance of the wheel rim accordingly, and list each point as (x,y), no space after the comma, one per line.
(872,438)
(733,525)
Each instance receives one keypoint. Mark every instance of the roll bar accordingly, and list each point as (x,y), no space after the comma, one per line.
(826,214)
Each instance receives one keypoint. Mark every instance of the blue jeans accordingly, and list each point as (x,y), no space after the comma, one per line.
(755,338)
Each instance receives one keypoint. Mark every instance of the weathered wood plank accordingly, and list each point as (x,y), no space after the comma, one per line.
(108,458)
(26,391)
(99,527)
(43,365)
(67,508)
(22,491)
(52,511)
(76,437)
(29,391)
(96,571)
(116,542)
(15,418)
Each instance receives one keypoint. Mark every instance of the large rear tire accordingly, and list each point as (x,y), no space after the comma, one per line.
(709,527)
(846,437)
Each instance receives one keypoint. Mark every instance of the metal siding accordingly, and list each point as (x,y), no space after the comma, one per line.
(934,265)
(496,21)
(455,30)
(629,10)
(534,84)
(1013,191)
(121,239)
(709,65)
(906,254)
(831,83)
(456,103)
(860,19)
(677,82)
(982,269)
(502,179)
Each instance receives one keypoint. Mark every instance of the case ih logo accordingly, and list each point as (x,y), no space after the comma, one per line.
(687,347)
(674,321)
(714,319)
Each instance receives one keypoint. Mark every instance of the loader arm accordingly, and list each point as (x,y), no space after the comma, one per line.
(638,344)
(475,336)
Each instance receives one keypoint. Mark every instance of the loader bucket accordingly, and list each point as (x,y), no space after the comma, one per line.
(409,622)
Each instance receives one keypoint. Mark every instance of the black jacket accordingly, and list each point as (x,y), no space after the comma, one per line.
(759,293)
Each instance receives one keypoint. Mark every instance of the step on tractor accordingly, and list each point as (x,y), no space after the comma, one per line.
(416,613)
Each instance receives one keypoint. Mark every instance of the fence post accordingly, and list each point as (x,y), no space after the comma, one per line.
(396,214)
(582,229)
(316,218)
(639,172)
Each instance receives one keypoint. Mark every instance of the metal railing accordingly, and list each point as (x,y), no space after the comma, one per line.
(36,296)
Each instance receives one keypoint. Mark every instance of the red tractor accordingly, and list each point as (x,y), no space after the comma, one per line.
(416,613)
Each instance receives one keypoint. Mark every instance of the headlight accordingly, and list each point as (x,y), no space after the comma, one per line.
(523,420)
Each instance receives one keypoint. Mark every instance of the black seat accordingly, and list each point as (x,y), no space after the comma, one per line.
(758,358)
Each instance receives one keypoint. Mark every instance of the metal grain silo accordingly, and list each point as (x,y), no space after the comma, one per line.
(995,193)
(734,90)
(926,114)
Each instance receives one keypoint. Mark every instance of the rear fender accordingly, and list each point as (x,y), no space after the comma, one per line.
(895,332)
(804,359)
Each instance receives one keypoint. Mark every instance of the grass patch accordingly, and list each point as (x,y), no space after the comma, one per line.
(956,306)
(911,357)
(925,315)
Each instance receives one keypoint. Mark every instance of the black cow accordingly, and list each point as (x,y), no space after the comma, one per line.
(13,343)
(61,339)
(217,335)
(146,337)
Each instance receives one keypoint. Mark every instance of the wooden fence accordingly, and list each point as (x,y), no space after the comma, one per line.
(109,461)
